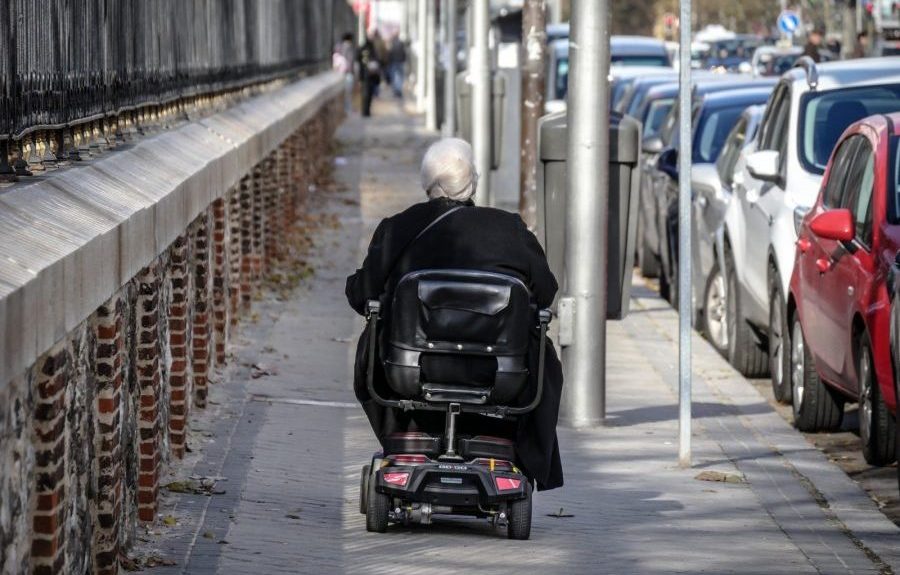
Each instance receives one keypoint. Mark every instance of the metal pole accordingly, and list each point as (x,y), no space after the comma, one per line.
(684,238)
(480,76)
(422,15)
(404,22)
(534,64)
(430,72)
(587,211)
(361,25)
(450,75)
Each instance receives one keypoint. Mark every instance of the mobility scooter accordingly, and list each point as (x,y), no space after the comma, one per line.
(457,342)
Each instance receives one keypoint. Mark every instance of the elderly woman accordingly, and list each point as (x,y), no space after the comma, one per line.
(462,236)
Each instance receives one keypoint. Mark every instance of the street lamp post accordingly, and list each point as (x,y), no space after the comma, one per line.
(480,77)
(430,75)
(587,211)
(684,236)
(450,72)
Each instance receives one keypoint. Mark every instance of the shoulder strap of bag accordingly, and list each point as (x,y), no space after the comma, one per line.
(433,223)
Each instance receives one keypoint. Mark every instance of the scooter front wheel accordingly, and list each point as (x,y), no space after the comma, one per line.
(518,516)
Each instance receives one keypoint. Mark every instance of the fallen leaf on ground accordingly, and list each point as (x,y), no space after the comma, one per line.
(560,514)
(203,486)
(170,520)
(208,535)
(292,516)
(720,476)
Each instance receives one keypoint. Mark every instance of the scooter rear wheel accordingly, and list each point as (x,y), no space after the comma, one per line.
(378,508)
(363,489)
(518,516)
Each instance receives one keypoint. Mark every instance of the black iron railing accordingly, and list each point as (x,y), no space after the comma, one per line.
(66,63)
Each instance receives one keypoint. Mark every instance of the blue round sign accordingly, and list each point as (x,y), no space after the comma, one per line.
(788,22)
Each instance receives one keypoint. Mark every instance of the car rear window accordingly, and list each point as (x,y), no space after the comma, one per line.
(825,115)
(635,60)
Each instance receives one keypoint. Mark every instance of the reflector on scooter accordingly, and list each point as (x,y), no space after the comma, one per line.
(396,478)
(506,483)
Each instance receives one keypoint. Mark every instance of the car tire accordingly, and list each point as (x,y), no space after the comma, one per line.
(816,406)
(518,517)
(779,342)
(744,353)
(876,424)
(378,509)
(715,311)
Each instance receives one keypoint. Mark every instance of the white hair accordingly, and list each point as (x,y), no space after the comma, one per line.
(448,170)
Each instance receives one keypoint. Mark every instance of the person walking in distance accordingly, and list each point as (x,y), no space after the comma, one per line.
(342,61)
(814,46)
(369,74)
(396,63)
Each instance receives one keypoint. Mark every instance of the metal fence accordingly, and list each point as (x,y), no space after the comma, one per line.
(66,62)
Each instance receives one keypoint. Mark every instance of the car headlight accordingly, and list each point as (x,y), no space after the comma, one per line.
(799,213)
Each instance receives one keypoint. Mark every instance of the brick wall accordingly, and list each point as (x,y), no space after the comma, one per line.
(87,431)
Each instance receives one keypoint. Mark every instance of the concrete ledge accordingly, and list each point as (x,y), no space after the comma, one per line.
(71,239)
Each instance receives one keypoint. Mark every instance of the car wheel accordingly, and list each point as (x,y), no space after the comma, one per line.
(378,509)
(744,353)
(876,424)
(518,516)
(715,311)
(816,406)
(779,344)
(647,260)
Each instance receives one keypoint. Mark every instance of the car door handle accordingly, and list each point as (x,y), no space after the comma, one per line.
(702,201)
(823,265)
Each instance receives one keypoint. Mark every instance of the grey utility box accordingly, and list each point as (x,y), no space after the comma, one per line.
(624,182)
(464,112)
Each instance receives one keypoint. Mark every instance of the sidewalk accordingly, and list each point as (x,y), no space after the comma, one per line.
(289,446)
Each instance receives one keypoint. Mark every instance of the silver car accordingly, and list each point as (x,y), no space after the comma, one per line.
(711,186)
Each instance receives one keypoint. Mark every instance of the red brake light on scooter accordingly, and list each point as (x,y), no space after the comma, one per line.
(396,478)
(506,483)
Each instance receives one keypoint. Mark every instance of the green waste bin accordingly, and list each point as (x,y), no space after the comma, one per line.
(624,181)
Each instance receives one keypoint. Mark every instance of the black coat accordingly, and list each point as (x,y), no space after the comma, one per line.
(484,239)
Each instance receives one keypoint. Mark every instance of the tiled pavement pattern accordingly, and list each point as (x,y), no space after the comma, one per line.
(290,447)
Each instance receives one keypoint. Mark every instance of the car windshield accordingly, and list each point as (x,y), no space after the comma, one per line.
(776,64)
(711,132)
(825,115)
(626,60)
(656,113)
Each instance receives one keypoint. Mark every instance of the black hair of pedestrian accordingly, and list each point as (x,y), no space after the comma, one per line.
(861,35)
(347,37)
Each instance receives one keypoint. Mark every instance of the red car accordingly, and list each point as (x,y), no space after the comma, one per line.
(839,305)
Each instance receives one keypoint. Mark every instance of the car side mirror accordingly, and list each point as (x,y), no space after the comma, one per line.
(705,177)
(763,165)
(667,162)
(652,145)
(834,225)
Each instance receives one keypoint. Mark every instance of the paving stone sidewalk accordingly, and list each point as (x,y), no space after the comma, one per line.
(290,445)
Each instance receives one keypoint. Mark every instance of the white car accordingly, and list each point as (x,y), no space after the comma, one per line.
(779,180)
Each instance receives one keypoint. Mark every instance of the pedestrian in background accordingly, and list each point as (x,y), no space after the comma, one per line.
(342,61)
(814,45)
(381,52)
(369,74)
(396,64)
(861,49)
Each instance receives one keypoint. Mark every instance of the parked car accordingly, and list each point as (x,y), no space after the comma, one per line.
(730,53)
(635,91)
(839,307)
(780,178)
(654,181)
(630,56)
(711,185)
(774,60)
(714,114)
